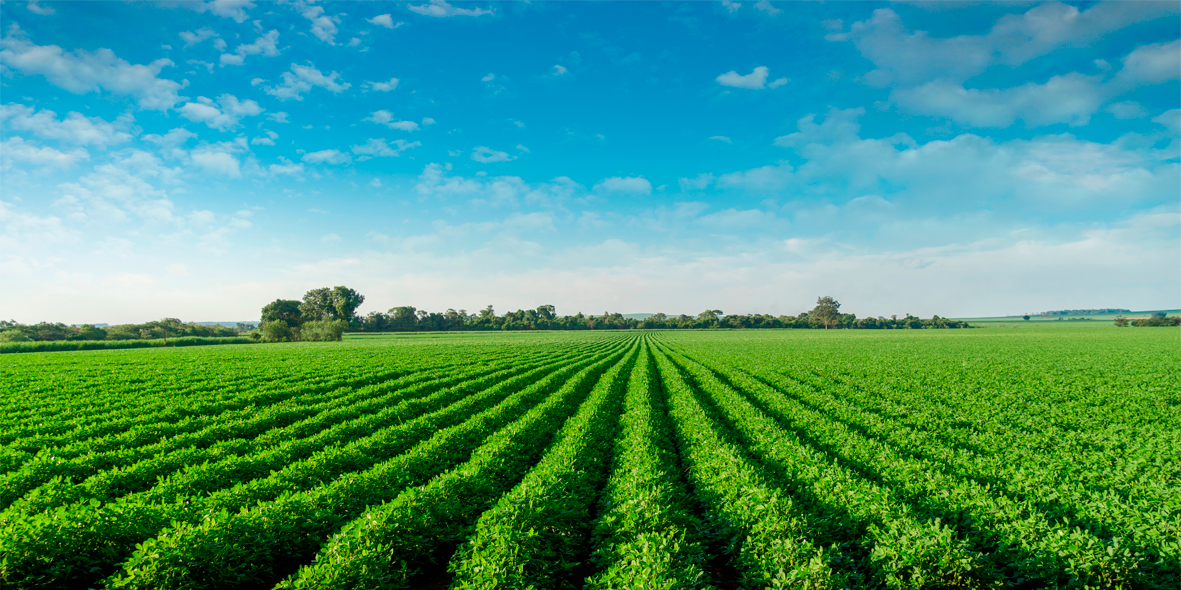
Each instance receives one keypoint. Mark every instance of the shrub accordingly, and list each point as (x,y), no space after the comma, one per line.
(278,331)
(325,330)
(13,336)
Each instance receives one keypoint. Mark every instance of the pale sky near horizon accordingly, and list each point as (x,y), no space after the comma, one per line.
(199,159)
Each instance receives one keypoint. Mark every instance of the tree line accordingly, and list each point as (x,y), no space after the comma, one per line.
(324,314)
(12,331)
(1158,319)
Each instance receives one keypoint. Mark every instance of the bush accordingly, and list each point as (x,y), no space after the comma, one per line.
(1157,320)
(325,330)
(13,336)
(278,331)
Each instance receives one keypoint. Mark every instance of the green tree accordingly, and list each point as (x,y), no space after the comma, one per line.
(403,319)
(337,303)
(709,315)
(1025,317)
(827,311)
(278,331)
(284,310)
(547,312)
(1121,322)
(323,330)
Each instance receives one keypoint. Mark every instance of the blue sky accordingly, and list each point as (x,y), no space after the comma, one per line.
(199,159)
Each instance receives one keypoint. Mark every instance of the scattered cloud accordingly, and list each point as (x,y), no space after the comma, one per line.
(266,45)
(193,38)
(387,119)
(1071,99)
(486,155)
(766,7)
(756,80)
(323,26)
(721,138)
(629,185)
(76,128)
(384,20)
(301,79)
(379,148)
(226,117)
(700,183)
(381,86)
(234,9)
(15,150)
(1171,119)
(731,6)
(84,71)
(327,157)
(440,8)
(36,8)
(278,117)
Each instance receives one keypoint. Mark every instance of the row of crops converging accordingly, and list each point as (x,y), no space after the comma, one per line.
(591,461)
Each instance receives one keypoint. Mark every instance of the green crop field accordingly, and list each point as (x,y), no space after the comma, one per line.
(988,458)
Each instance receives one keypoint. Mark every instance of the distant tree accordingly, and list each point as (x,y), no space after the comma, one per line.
(1121,322)
(1159,314)
(284,310)
(337,303)
(13,336)
(827,311)
(403,319)
(1025,317)
(547,312)
(487,313)
(709,315)
(278,331)
(323,330)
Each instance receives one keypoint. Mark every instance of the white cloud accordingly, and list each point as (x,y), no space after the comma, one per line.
(268,139)
(266,45)
(777,83)
(279,117)
(217,159)
(193,38)
(15,150)
(375,183)
(1151,64)
(486,155)
(327,157)
(731,6)
(329,239)
(721,138)
(1071,99)
(766,7)
(227,117)
(38,9)
(379,148)
(387,119)
(170,143)
(76,128)
(382,86)
(1171,119)
(196,62)
(916,57)
(700,183)
(522,148)
(629,185)
(440,8)
(301,79)
(427,121)
(1127,110)
(756,80)
(286,167)
(384,20)
(490,77)
(219,44)
(323,27)
(558,71)
(235,9)
(84,71)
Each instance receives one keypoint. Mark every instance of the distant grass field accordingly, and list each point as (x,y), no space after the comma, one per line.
(1098,320)
(1041,457)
